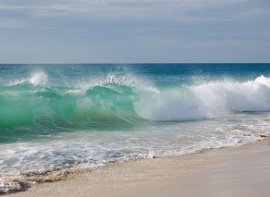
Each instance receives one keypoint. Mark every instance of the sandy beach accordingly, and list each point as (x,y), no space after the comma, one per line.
(240,171)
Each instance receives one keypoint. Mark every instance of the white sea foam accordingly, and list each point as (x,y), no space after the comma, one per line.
(39,78)
(91,149)
(207,100)
(109,81)
(36,78)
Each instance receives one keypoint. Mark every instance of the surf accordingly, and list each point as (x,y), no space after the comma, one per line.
(65,116)
(206,100)
(35,104)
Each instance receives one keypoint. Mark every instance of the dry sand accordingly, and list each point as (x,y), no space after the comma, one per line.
(229,172)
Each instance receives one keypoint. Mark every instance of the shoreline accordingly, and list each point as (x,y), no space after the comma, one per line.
(232,171)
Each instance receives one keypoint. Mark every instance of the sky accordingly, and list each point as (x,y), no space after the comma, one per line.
(134,31)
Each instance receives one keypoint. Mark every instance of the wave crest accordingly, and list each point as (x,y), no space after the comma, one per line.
(37,78)
(125,99)
(206,100)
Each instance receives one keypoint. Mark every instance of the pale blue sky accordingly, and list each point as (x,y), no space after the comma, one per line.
(124,31)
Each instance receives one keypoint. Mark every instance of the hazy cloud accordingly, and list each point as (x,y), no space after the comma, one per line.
(91,29)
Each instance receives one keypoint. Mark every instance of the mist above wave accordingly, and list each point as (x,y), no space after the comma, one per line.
(206,100)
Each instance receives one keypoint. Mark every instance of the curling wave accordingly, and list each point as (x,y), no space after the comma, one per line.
(33,105)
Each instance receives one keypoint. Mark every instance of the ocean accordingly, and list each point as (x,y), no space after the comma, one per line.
(87,115)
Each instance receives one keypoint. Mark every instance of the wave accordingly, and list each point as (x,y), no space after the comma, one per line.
(206,100)
(36,78)
(34,104)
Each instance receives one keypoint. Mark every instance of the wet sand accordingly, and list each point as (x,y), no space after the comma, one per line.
(228,172)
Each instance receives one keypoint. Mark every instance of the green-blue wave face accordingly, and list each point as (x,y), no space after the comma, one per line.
(45,99)
(28,110)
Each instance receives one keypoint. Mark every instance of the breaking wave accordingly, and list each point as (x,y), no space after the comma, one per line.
(34,103)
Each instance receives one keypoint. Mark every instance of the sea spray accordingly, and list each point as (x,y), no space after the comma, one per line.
(33,105)
(82,116)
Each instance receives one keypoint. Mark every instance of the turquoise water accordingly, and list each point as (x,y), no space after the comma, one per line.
(55,116)
(43,99)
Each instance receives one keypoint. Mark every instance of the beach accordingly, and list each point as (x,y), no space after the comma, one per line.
(126,98)
(136,129)
(238,171)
